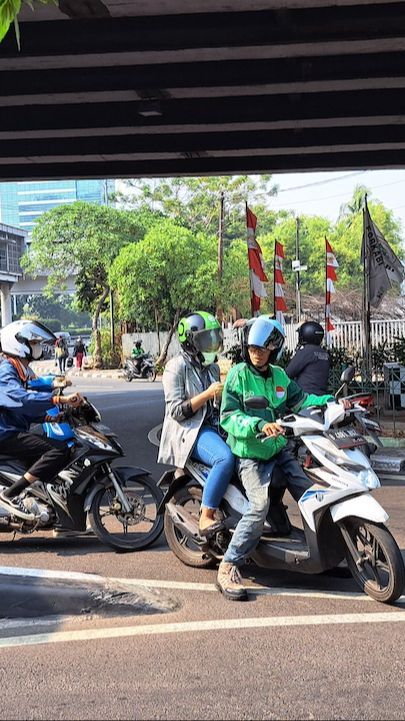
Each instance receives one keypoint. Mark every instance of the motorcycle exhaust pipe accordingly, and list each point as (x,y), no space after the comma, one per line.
(185,522)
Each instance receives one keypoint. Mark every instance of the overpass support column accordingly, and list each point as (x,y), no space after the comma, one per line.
(5,297)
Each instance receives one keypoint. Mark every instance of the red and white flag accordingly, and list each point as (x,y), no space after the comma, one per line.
(331,264)
(279,302)
(256,264)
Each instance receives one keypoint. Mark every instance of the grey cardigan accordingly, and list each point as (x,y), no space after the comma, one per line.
(181,382)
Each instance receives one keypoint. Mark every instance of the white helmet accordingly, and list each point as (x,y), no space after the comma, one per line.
(24,338)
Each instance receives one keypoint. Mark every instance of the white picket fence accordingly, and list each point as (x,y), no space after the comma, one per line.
(346,335)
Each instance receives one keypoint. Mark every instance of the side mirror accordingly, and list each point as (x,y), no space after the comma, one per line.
(347,375)
(256,402)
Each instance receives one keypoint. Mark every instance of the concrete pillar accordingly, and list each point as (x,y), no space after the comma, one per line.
(5,297)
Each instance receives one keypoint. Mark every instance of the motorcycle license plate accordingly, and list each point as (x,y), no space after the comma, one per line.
(346,437)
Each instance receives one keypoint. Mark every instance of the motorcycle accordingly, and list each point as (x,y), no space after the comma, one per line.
(120,503)
(341,521)
(145,370)
(387,462)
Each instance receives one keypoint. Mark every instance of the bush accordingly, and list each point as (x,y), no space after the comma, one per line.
(52,323)
(111,356)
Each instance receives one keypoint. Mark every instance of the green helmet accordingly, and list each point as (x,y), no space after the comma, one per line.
(201,335)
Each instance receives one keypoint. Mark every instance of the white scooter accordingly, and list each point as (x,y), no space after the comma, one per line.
(340,518)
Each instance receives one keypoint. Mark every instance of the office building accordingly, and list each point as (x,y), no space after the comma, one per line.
(23,202)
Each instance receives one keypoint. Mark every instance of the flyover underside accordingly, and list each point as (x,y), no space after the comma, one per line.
(317,87)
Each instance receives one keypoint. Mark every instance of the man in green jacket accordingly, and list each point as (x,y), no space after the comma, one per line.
(256,460)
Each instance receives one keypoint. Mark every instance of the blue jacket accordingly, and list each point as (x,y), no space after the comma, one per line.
(19,407)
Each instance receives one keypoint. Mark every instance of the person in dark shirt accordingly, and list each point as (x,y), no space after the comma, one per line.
(310,365)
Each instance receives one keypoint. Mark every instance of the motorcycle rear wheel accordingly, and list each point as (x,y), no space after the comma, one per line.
(374,559)
(184,548)
(133,531)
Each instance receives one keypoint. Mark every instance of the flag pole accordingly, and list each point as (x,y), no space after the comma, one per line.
(252,310)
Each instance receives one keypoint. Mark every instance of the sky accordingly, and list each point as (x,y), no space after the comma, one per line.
(324,193)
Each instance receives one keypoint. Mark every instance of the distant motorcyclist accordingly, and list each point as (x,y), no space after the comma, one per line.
(137,354)
(310,365)
(21,342)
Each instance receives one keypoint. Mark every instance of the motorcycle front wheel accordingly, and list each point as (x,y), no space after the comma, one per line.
(132,531)
(374,559)
(127,375)
(151,375)
(184,548)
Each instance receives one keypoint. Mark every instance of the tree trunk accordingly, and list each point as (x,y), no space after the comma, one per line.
(98,356)
(162,357)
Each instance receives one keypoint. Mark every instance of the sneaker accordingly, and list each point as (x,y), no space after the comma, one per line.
(229,582)
(71,533)
(16,507)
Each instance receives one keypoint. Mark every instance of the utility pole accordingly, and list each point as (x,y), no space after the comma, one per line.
(297,268)
(297,275)
(221,235)
(220,248)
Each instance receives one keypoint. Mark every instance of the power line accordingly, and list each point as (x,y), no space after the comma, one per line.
(321,182)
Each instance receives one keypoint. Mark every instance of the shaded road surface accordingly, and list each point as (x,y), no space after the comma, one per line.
(302,647)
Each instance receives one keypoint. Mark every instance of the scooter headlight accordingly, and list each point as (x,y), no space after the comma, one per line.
(369,479)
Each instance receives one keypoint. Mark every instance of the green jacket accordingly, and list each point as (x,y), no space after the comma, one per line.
(242,424)
(136,352)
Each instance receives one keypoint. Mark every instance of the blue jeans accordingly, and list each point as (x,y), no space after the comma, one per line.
(256,477)
(212,450)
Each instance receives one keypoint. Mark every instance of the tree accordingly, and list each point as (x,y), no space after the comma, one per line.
(194,202)
(170,272)
(81,239)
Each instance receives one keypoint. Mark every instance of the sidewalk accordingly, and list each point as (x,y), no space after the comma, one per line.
(44,367)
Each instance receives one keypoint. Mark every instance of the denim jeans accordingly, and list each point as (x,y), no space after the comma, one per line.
(256,477)
(212,450)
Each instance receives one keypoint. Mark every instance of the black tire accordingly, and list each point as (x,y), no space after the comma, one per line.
(186,551)
(380,572)
(151,375)
(144,525)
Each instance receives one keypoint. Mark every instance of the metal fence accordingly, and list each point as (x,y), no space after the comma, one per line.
(347,335)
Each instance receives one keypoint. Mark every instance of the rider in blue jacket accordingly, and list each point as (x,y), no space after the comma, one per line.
(21,342)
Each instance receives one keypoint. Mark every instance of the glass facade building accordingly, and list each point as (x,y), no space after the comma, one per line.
(21,203)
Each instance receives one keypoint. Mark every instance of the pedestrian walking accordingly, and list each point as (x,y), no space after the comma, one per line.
(79,352)
(61,353)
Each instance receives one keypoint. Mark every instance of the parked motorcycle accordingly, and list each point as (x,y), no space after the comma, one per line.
(340,519)
(387,462)
(145,370)
(121,502)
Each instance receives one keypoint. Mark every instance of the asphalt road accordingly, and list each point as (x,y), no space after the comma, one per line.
(302,647)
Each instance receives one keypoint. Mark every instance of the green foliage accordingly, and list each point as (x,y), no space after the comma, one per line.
(52,323)
(111,355)
(61,307)
(170,270)
(9,10)
(195,202)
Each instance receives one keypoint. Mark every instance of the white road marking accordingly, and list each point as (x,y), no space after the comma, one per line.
(198,626)
(183,585)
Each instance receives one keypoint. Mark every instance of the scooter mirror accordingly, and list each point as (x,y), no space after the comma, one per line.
(347,375)
(256,402)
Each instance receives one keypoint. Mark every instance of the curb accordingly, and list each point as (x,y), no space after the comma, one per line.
(33,593)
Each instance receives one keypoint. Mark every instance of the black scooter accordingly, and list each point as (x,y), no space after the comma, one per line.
(121,502)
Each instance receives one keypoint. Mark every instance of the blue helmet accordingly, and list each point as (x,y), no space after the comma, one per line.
(267,333)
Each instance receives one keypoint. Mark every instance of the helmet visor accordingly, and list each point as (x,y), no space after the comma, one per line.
(208,341)
(273,341)
(35,332)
